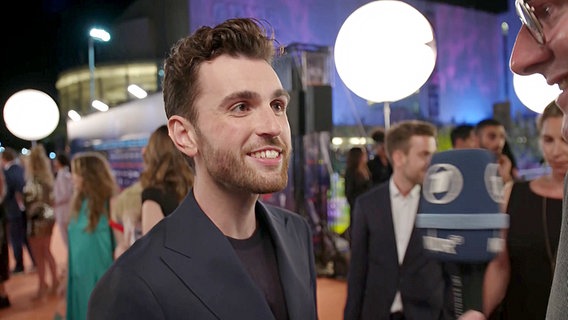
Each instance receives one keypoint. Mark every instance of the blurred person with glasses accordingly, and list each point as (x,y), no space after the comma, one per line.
(542,47)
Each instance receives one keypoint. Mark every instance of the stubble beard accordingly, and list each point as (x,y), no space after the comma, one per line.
(231,170)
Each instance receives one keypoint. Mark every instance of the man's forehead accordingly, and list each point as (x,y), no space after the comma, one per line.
(226,75)
(421,140)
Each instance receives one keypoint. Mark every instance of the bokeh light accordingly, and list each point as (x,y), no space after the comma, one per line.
(31,114)
(534,92)
(385,51)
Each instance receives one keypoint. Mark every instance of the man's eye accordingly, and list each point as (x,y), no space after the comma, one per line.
(241,107)
(279,106)
(543,12)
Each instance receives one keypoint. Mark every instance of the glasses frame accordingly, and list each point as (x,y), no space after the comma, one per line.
(529,19)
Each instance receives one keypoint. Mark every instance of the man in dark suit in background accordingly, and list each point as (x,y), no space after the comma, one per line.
(379,165)
(390,276)
(14,206)
(542,47)
(221,254)
(4,259)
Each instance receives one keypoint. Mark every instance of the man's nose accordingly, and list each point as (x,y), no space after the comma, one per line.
(269,123)
(528,56)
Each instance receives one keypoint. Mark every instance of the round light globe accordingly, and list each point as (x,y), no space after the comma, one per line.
(31,114)
(534,92)
(385,51)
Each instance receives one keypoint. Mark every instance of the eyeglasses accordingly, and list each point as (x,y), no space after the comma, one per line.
(529,19)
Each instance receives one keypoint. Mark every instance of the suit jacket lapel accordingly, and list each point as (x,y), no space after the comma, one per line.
(388,223)
(415,246)
(293,275)
(203,258)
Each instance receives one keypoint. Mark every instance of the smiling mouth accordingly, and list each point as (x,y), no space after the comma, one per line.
(265,154)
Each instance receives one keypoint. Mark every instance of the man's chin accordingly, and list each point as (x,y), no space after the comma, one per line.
(267,189)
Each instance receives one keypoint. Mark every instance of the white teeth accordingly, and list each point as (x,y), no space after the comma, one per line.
(268,154)
(563,84)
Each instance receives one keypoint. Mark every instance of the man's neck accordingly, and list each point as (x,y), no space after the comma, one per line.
(232,211)
(403,185)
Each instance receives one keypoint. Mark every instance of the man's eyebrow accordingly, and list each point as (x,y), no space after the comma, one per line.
(248,95)
(239,95)
(281,92)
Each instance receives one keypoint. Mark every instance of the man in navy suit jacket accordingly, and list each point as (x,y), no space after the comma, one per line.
(390,277)
(13,204)
(221,254)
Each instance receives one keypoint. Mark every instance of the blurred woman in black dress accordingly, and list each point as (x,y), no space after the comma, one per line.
(357,179)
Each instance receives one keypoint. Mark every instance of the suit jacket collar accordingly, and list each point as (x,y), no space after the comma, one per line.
(384,207)
(200,254)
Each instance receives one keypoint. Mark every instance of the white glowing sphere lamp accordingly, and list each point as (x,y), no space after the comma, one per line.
(385,51)
(534,92)
(31,114)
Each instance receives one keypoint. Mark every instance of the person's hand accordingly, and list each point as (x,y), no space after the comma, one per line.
(472,315)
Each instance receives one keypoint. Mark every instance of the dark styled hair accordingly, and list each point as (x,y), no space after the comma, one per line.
(490,122)
(461,131)
(378,135)
(235,37)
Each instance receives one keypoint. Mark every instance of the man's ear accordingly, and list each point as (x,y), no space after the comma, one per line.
(398,158)
(182,133)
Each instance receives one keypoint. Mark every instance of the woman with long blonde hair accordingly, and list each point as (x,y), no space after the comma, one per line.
(38,199)
(91,242)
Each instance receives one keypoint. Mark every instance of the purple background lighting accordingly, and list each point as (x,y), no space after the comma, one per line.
(471,72)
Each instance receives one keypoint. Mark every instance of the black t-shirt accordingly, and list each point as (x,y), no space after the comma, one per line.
(259,259)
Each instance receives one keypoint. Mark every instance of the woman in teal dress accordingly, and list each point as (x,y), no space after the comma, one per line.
(91,244)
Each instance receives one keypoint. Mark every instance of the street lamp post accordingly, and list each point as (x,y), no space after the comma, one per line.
(99,35)
(91,70)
